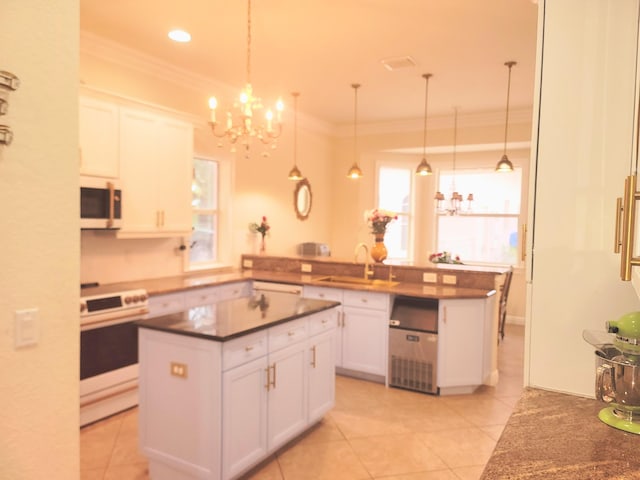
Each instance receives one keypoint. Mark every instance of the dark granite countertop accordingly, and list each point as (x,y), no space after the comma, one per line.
(558,436)
(229,319)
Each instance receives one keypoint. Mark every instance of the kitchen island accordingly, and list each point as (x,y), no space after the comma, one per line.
(224,385)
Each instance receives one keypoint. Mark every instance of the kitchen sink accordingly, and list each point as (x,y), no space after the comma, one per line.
(356,281)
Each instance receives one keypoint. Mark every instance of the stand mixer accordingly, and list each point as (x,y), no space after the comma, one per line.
(618,371)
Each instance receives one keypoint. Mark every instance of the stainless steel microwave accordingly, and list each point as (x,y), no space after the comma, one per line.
(100,204)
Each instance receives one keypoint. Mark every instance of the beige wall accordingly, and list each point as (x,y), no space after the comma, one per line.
(39,212)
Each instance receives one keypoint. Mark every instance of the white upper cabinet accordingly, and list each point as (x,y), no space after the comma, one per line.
(156,153)
(98,132)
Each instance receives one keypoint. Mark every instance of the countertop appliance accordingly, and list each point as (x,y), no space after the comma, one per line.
(100,204)
(413,344)
(109,352)
(618,371)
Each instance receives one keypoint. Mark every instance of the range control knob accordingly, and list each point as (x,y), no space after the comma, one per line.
(143,298)
(128,300)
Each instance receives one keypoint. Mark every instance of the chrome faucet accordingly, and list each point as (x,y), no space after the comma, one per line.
(367,268)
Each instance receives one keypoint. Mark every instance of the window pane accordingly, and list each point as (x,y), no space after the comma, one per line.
(479,238)
(394,193)
(204,185)
(394,188)
(204,238)
(493,192)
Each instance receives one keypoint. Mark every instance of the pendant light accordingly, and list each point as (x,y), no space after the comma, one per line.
(424,168)
(294,173)
(355,172)
(505,165)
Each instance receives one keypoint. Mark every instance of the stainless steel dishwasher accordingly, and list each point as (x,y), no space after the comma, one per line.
(413,344)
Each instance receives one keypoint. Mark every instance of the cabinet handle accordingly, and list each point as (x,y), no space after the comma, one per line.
(324,320)
(273,382)
(618,240)
(248,348)
(343,320)
(268,384)
(157,218)
(291,334)
(523,242)
(321,295)
(444,314)
(627,260)
(364,300)
(313,360)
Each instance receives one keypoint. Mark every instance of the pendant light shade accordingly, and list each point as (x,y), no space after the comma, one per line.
(294,173)
(355,172)
(424,168)
(505,165)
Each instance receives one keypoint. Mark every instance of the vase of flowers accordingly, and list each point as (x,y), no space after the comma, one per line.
(444,257)
(262,228)
(377,220)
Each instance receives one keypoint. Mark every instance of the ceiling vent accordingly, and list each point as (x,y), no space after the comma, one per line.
(396,63)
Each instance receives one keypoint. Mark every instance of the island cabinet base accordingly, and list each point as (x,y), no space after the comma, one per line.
(213,410)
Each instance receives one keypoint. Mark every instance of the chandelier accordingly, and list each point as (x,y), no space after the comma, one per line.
(505,165)
(454,206)
(242,127)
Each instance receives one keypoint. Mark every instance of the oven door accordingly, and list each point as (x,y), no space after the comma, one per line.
(108,369)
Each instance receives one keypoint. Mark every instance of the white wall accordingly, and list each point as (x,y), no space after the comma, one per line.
(39,400)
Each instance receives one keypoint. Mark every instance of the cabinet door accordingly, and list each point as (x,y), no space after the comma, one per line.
(335,294)
(322,377)
(155,162)
(173,173)
(287,394)
(244,417)
(460,342)
(364,340)
(99,138)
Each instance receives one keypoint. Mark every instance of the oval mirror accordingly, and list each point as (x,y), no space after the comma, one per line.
(302,199)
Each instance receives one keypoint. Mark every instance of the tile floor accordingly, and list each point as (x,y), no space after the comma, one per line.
(372,433)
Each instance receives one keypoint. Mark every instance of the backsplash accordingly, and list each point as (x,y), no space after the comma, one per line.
(467,276)
(106,259)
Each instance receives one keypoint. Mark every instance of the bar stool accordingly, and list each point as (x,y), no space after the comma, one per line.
(504,294)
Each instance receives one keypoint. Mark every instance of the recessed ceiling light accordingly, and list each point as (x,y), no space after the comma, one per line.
(180,36)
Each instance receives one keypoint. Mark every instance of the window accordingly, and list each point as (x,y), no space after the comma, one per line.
(394,193)
(488,232)
(205,223)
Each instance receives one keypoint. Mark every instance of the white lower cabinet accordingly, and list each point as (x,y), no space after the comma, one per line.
(179,301)
(363,328)
(464,344)
(258,392)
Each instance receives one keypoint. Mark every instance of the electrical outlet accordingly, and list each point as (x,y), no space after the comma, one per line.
(429,277)
(178,369)
(449,279)
(306,267)
(247,263)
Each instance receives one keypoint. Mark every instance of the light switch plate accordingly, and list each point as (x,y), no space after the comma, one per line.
(429,277)
(306,267)
(27,327)
(247,263)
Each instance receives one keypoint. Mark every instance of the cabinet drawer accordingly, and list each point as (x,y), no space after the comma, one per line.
(354,298)
(202,296)
(323,293)
(243,349)
(323,321)
(165,304)
(287,333)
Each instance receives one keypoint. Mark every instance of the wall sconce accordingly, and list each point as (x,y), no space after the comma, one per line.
(8,82)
